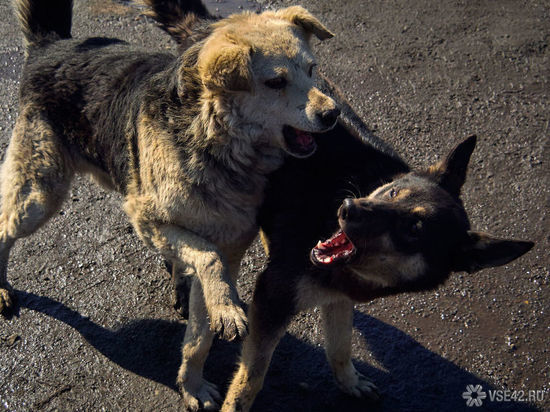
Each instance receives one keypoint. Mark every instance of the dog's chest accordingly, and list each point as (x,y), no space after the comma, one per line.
(224,233)
(215,216)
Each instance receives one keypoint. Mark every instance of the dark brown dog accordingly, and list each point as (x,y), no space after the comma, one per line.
(409,234)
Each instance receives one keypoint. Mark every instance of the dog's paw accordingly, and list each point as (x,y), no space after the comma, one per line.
(205,397)
(228,321)
(7,302)
(355,384)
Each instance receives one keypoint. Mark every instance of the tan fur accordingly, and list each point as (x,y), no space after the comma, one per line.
(337,326)
(256,354)
(34,181)
(301,17)
(177,203)
(403,194)
(225,65)
(436,168)
(265,242)
(387,267)
(420,210)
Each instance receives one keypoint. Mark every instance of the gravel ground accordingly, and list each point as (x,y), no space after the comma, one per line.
(96,330)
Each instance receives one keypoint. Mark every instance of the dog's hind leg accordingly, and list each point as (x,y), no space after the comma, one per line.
(35,178)
(182,279)
(195,390)
(337,325)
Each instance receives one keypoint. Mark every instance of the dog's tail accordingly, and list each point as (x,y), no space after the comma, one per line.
(178,17)
(44,21)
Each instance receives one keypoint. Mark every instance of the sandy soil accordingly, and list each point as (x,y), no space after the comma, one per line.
(96,330)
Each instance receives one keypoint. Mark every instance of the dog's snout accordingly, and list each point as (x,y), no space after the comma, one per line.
(328,117)
(348,210)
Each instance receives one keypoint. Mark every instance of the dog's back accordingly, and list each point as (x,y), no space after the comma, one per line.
(89,89)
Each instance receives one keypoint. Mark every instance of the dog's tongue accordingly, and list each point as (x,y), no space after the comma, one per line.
(304,139)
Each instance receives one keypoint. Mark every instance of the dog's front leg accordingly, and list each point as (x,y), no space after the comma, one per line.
(269,314)
(337,325)
(227,318)
(182,280)
(257,351)
(213,295)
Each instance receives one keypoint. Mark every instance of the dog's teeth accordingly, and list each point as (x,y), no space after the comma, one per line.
(328,259)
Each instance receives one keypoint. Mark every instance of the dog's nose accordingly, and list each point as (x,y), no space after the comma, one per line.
(348,210)
(328,117)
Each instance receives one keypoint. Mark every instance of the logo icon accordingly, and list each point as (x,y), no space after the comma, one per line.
(474,395)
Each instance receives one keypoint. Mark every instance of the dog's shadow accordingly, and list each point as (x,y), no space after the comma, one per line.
(299,379)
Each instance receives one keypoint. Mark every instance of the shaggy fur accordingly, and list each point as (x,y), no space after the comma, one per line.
(408,234)
(188,140)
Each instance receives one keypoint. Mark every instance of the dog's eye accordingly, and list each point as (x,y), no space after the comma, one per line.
(310,70)
(276,83)
(393,193)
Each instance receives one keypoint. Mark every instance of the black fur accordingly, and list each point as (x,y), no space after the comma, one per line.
(170,13)
(92,92)
(301,206)
(45,21)
(187,21)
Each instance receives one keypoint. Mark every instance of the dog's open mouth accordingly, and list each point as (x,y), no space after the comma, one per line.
(337,249)
(298,142)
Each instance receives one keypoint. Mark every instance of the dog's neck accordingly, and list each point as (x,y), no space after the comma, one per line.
(218,126)
(242,146)
(361,287)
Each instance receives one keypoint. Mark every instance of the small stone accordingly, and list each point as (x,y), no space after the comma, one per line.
(12,340)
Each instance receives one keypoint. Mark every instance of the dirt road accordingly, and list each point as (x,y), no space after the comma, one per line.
(96,330)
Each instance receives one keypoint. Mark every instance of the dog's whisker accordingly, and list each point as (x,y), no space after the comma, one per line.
(351,193)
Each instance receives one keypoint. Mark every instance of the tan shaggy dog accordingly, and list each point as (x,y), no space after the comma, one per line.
(187,140)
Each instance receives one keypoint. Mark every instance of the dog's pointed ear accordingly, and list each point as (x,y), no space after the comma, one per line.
(224,65)
(301,17)
(451,172)
(482,250)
